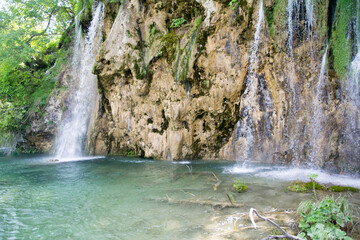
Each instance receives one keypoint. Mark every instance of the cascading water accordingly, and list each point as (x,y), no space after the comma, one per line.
(352,98)
(295,8)
(188,88)
(318,113)
(249,104)
(130,115)
(294,11)
(309,5)
(83,98)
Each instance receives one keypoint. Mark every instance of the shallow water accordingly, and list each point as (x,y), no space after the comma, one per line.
(132,198)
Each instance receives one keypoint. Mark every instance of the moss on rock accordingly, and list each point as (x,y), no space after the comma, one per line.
(341,42)
(342,189)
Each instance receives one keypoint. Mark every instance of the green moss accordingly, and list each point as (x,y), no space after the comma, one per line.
(113,1)
(340,41)
(177,22)
(277,18)
(269,13)
(130,153)
(311,185)
(184,55)
(297,186)
(342,189)
(321,13)
(206,84)
(169,44)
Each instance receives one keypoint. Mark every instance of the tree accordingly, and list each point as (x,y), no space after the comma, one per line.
(30,31)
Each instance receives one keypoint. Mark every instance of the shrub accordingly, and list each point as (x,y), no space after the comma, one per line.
(326,219)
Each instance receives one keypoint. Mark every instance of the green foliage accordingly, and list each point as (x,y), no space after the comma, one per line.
(234,3)
(85,7)
(313,184)
(10,116)
(327,219)
(30,32)
(239,186)
(312,176)
(340,41)
(178,22)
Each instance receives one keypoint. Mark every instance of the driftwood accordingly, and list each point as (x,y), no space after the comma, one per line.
(214,204)
(216,185)
(286,235)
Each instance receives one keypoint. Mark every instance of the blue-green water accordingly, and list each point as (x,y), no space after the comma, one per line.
(128,198)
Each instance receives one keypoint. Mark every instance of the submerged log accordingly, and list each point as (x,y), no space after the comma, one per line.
(214,204)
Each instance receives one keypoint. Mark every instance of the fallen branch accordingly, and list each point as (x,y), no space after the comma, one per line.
(286,235)
(214,204)
(230,200)
(188,193)
(216,185)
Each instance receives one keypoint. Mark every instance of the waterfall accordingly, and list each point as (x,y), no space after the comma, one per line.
(299,12)
(309,4)
(293,22)
(188,88)
(318,113)
(130,114)
(83,96)
(351,124)
(249,105)
(293,6)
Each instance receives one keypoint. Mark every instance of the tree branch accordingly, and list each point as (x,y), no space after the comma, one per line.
(286,235)
(44,31)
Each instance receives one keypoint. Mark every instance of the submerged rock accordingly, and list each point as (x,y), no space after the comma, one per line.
(54,160)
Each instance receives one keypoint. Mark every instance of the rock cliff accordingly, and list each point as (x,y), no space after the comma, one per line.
(256,81)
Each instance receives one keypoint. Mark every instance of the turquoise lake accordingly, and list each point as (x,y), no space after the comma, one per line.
(133,198)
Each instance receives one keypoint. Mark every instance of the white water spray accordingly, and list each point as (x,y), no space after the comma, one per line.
(83,97)
(309,23)
(245,127)
(318,113)
(352,95)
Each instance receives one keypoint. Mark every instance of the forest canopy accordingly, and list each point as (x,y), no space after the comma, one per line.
(31,35)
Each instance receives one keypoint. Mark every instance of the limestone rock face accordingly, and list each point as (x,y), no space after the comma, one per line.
(40,136)
(191,91)
(191,79)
